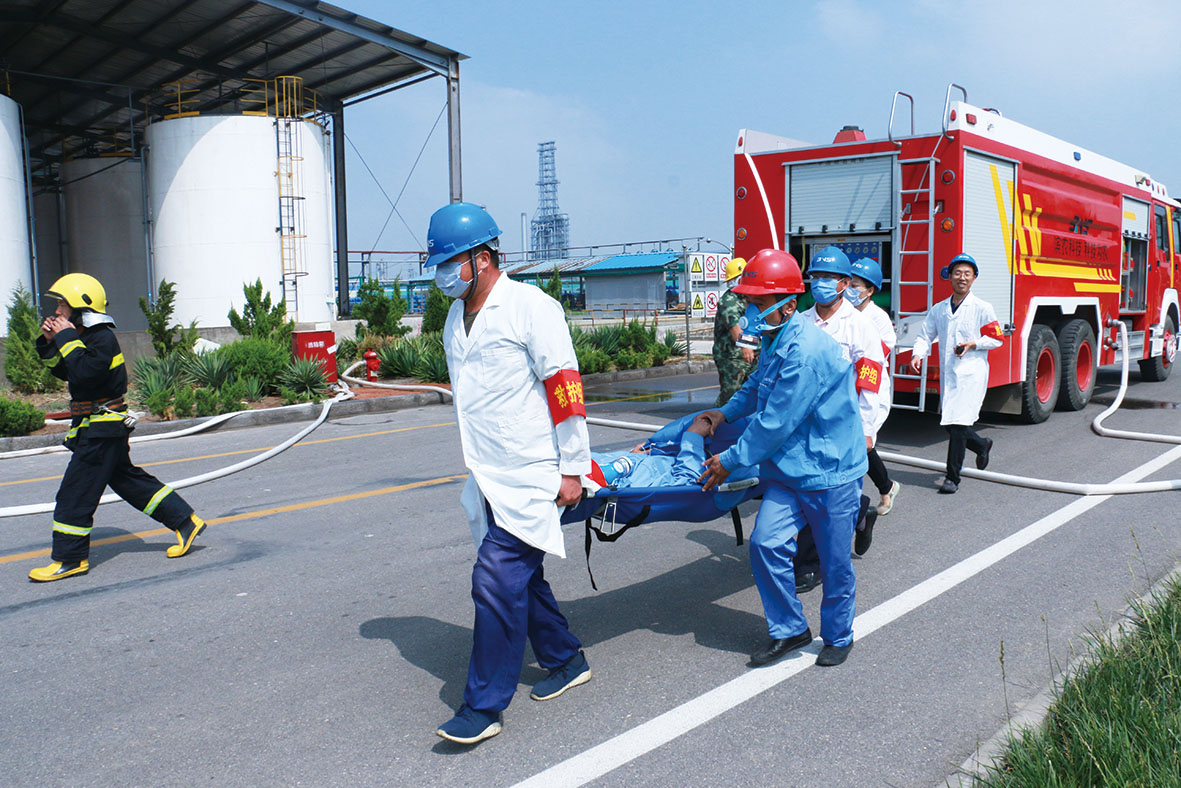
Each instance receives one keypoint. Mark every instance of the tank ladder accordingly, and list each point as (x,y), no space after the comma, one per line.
(905,202)
(292,220)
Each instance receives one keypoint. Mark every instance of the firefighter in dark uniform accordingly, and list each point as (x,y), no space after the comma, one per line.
(78,344)
(734,363)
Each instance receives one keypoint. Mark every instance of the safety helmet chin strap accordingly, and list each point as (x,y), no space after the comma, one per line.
(471,291)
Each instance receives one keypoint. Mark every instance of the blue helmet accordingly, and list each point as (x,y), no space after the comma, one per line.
(945,273)
(456,228)
(830,260)
(869,270)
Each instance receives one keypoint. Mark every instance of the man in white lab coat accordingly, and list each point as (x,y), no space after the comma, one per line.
(522,422)
(966,328)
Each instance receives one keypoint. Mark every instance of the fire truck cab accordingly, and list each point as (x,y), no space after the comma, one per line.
(1068,242)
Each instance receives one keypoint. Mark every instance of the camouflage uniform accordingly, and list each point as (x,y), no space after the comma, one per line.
(732,370)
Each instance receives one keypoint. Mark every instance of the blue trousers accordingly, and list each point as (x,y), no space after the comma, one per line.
(832,515)
(513,601)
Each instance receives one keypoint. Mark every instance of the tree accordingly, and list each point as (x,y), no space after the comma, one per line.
(435,315)
(260,318)
(554,286)
(22,364)
(167,338)
(382,313)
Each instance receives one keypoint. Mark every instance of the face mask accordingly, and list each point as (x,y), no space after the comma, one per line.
(854,295)
(824,291)
(448,279)
(755,321)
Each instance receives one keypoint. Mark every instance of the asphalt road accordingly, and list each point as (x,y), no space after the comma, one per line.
(320,630)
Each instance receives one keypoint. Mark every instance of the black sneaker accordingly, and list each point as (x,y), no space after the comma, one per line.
(948,487)
(864,536)
(833,655)
(806,581)
(777,648)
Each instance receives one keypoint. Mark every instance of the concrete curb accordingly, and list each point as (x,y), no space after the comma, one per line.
(352,407)
(1033,713)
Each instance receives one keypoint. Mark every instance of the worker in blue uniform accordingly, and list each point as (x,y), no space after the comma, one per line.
(805,435)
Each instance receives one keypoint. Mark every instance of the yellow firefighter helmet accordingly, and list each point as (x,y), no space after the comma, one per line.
(80,291)
(734,268)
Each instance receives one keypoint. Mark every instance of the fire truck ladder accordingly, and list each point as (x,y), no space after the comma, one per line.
(288,141)
(906,199)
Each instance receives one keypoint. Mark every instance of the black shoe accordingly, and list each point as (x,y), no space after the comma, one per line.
(948,487)
(806,581)
(777,648)
(982,457)
(864,536)
(833,655)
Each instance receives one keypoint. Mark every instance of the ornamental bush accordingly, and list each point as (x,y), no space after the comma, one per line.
(259,358)
(19,418)
(22,366)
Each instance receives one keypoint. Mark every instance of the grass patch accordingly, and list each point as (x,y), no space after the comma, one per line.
(1117,722)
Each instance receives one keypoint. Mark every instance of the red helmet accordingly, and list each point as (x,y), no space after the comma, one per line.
(769,272)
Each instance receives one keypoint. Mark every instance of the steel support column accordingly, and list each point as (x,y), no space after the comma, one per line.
(454,164)
(342,216)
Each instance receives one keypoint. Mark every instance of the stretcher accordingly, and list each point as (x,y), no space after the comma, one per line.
(614,510)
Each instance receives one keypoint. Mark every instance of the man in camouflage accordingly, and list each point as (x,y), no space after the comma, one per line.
(734,363)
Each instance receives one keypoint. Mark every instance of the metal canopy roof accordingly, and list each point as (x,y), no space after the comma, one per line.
(89,73)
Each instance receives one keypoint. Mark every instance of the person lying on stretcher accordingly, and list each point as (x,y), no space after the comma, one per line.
(672,457)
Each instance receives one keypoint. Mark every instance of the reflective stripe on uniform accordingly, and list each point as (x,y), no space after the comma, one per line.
(71,346)
(97,417)
(72,530)
(116,361)
(53,361)
(160,495)
(74,430)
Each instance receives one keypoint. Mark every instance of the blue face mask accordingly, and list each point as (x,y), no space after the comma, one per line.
(448,279)
(755,321)
(825,291)
(854,296)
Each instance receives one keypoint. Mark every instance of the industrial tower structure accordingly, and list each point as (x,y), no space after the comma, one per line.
(550,229)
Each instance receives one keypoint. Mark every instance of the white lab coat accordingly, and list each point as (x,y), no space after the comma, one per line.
(514,453)
(858,338)
(885,328)
(963,380)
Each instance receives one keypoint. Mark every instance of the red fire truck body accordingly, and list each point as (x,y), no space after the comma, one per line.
(1067,242)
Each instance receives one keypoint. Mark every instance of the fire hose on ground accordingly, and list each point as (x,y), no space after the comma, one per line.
(1050,485)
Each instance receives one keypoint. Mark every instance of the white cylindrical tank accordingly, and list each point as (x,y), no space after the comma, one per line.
(15,260)
(214,200)
(104,219)
(317,292)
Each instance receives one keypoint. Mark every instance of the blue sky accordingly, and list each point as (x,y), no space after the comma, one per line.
(644,99)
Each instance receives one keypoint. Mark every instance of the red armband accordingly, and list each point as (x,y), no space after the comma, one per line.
(869,375)
(596,475)
(564,392)
(885,351)
(993,330)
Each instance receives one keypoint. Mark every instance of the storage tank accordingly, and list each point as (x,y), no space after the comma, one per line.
(51,264)
(214,201)
(104,222)
(15,260)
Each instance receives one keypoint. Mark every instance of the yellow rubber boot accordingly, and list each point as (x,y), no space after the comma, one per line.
(57,570)
(185,536)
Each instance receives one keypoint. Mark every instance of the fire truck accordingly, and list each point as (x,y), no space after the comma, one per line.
(1068,242)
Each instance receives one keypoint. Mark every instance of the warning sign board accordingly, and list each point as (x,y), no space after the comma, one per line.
(711,304)
(723,261)
(696,268)
(699,304)
(711,268)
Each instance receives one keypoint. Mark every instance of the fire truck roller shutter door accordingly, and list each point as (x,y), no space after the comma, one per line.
(989,230)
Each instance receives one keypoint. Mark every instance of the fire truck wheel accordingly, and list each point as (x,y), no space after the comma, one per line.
(1158,368)
(1039,392)
(1076,344)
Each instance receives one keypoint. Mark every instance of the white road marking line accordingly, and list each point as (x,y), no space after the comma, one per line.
(626,747)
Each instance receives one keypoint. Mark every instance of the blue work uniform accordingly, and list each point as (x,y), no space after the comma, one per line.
(805,435)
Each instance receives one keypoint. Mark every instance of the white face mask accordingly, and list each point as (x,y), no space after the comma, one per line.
(854,295)
(448,280)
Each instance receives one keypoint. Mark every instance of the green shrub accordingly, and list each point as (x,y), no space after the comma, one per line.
(637,336)
(382,313)
(434,317)
(157,380)
(608,339)
(553,287)
(159,402)
(675,346)
(254,388)
(659,354)
(260,319)
(304,376)
(232,396)
(432,367)
(19,418)
(259,358)
(22,365)
(182,404)
(399,359)
(346,350)
(166,338)
(212,370)
(632,359)
(294,398)
(592,360)
(208,403)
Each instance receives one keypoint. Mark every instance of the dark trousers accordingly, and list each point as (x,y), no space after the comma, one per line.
(878,474)
(97,463)
(961,437)
(513,602)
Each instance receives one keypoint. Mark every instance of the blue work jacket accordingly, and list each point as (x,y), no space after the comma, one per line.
(805,426)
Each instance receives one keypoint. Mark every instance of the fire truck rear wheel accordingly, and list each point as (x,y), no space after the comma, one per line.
(1158,368)
(1076,344)
(1043,363)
